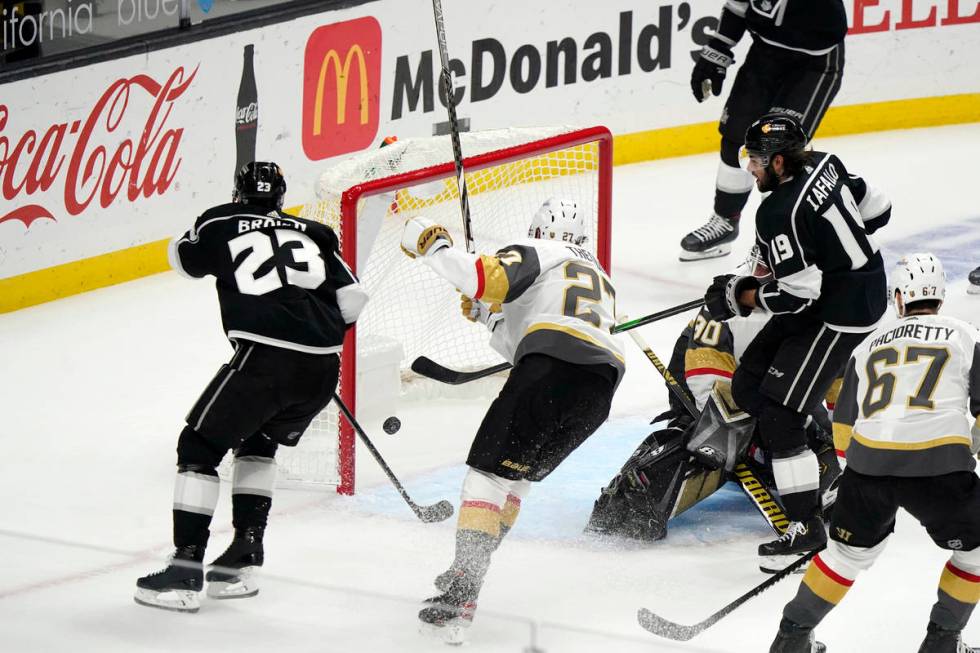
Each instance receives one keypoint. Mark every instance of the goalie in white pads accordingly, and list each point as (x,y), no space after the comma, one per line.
(907,420)
(550,307)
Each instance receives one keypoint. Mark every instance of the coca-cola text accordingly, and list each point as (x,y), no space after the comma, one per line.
(34,163)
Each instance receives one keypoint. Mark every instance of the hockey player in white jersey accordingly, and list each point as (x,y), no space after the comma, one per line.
(907,420)
(550,306)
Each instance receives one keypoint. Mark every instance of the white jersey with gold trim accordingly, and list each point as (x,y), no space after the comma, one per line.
(910,398)
(555,299)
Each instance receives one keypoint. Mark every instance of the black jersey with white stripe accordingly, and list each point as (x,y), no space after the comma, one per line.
(814,231)
(280,279)
(809,26)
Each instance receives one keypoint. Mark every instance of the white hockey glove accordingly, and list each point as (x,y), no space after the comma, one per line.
(423,237)
(477,311)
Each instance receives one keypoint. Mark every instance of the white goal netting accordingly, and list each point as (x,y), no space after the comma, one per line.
(366,199)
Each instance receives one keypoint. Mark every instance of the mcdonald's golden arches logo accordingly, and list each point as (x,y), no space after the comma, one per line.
(341,88)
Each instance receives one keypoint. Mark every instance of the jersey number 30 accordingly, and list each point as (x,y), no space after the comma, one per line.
(258,272)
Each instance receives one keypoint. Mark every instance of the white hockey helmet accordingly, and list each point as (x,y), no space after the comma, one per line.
(917,277)
(558,220)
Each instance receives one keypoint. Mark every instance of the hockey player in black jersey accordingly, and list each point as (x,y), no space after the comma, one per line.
(828,291)
(286,299)
(794,66)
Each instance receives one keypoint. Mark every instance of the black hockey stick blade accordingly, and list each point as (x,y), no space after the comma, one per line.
(440,511)
(429,368)
(681,633)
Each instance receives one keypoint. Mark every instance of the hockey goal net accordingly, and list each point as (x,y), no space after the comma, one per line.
(367,198)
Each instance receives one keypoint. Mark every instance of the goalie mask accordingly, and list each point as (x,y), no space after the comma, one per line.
(754,266)
(917,277)
(260,182)
(558,220)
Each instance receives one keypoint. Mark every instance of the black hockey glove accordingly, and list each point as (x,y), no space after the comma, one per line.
(710,68)
(721,297)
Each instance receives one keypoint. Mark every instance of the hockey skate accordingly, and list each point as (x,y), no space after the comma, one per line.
(711,240)
(800,538)
(449,615)
(794,638)
(973,288)
(940,640)
(444,580)
(178,586)
(233,574)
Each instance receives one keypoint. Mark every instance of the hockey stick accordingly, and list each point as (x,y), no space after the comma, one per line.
(437,512)
(672,383)
(433,370)
(751,486)
(429,368)
(447,85)
(680,633)
(659,315)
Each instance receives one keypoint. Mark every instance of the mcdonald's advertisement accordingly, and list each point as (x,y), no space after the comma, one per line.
(129,151)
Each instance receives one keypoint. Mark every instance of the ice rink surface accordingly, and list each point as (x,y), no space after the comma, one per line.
(95,388)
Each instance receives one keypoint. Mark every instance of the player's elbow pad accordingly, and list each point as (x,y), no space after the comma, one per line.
(875,209)
(182,265)
(872,225)
(351,300)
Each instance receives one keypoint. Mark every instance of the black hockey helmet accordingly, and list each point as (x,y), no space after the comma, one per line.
(260,182)
(775,133)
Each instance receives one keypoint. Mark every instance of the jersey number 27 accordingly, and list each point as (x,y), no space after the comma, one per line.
(591,294)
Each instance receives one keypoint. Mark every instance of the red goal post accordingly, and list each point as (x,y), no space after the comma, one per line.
(366,199)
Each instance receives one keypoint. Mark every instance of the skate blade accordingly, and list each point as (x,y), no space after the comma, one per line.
(775,564)
(972,289)
(452,633)
(715,252)
(173,600)
(243,586)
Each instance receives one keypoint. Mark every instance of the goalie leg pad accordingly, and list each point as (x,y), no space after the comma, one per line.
(659,481)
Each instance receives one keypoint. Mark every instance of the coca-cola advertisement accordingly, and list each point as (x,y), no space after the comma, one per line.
(102,169)
(95,160)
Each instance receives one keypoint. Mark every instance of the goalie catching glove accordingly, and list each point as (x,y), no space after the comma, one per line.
(477,311)
(423,237)
(721,297)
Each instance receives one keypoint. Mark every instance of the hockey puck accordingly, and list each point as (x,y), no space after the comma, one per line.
(391,425)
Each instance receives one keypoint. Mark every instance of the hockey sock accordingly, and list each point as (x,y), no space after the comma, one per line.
(195,489)
(508,515)
(794,465)
(797,476)
(253,480)
(512,507)
(478,530)
(733,184)
(828,578)
(959,590)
